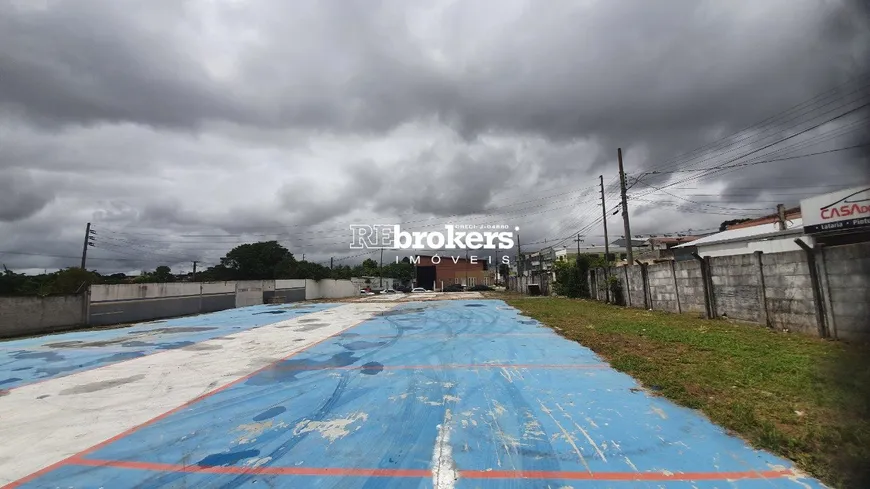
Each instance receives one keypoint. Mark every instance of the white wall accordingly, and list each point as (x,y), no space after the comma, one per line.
(312,289)
(218,287)
(119,292)
(335,289)
(250,292)
(290,284)
(779,245)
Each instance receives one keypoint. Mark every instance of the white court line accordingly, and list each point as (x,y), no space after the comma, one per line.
(37,433)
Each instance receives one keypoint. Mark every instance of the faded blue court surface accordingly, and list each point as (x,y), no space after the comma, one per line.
(466,394)
(33,359)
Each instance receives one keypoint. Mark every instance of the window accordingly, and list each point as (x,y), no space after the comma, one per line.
(456,281)
(471,281)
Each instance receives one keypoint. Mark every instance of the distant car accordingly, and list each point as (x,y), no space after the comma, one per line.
(418,290)
(389,291)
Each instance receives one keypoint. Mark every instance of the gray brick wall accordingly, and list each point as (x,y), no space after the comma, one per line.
(661,284)
(848,283)
(787,299)
(634,286)
(690,286)
(20,316)
(788,288)
(736,286)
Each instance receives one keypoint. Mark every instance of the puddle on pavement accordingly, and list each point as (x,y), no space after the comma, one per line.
(270,413)
(362,345)
(39,355)
(101,385)
(401,312)
(201,347)
(227,459)
(287,370)
(372,368)
(312,326)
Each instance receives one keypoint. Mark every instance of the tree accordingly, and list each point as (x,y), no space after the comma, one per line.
(370,267)
(163,274)
(571,277)
(258,261)
(402,271)
(504,271)
(72,280)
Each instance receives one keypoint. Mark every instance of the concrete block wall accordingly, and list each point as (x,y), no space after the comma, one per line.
(633,286)
(690,286)
(22,316)
(785,300)
(661,284)
(788,291)
(737,286)
(847,281)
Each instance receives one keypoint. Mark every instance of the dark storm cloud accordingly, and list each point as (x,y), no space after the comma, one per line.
(83,61)
(239,97)
(21,196)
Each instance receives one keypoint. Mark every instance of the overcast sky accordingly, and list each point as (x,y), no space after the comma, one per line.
(169,123)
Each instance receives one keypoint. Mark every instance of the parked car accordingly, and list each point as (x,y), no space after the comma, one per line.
(454,288)
(390,291)
(418,290)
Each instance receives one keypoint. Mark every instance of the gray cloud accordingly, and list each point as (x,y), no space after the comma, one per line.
(166,119)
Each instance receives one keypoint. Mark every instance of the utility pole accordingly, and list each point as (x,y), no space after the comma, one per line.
(381,270)
(88,242)
(606,241)
(604,213)
(780,215)
(519,265)
(194,270)
(330,262)
(628,253)
(497,269)
(578,239)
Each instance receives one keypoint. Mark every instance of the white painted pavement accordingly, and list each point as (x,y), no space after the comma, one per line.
(44,423)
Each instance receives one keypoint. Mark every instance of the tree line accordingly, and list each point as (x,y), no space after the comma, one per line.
(264,260)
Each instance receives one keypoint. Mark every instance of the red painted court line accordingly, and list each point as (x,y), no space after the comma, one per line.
(151,421)
(461,335)
(457,366)
(195,469)
(419,473)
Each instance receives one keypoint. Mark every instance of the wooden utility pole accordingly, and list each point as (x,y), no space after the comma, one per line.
(519,265)
(628,253)
(606,241)
(194,270)
(381,270)
(604,213)
(88,242)
(330,262)
(578,239)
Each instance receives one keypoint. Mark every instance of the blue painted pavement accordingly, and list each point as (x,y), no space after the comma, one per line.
(470,390)
(44,357)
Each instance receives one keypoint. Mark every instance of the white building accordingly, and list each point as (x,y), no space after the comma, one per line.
(767,238)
